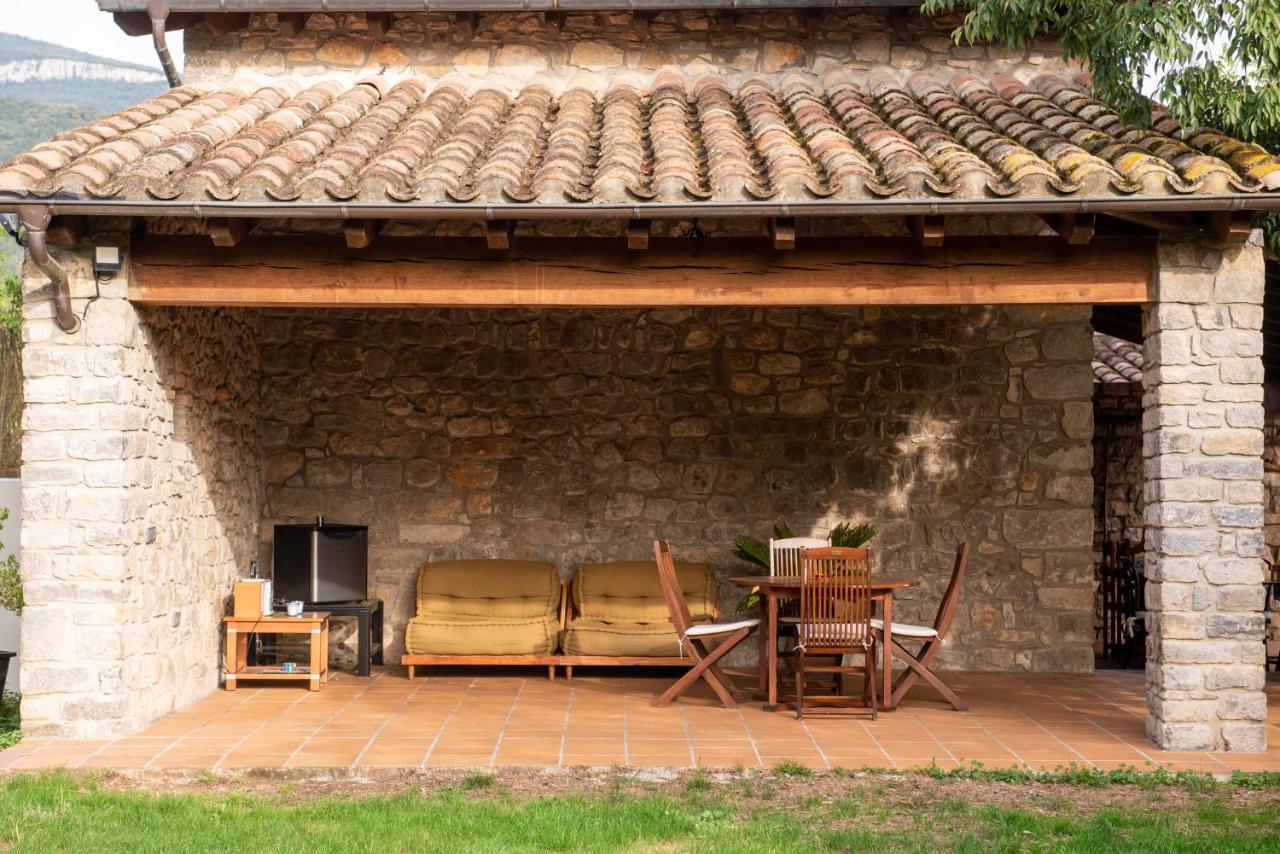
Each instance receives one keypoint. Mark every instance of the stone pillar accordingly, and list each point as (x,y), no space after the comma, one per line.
(1202,447)
(140,502)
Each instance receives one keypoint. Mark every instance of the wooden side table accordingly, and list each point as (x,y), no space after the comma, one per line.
(314,623)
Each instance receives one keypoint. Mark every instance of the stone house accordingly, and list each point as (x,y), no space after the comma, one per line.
(553,283)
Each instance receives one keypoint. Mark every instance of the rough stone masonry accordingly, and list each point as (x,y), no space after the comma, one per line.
(1202,444)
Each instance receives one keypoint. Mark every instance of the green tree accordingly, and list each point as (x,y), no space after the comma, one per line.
(10,374)
(1210,63)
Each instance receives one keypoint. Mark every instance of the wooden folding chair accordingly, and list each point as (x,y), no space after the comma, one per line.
(835,620)
(691,637)
(918,663)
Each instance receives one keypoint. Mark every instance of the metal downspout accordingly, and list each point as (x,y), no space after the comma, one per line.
(158,10)
(35,220)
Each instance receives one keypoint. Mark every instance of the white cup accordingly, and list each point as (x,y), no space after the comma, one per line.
(293,609)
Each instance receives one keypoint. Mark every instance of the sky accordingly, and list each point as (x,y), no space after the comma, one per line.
(79,25)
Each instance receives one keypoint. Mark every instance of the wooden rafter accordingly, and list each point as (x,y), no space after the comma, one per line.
(289,24)
(1228,226)
(359,233)
(638,234)
(782,233)
(66,230)
(377,24)
(439,272)
(220,24)
(497,233)
(929,231)
(227,232)
(1075,229)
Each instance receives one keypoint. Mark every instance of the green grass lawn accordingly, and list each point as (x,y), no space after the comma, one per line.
(610,812)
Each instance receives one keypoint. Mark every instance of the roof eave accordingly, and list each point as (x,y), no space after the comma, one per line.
(484,5)
(645,210)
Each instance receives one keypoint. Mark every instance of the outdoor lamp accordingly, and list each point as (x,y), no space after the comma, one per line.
(106,261)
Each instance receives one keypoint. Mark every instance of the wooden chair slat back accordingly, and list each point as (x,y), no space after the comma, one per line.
(671,590)
(784,555)
(947,607)
(835,601)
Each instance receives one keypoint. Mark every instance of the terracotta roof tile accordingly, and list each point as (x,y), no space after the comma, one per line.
(1116,360)
(789,137)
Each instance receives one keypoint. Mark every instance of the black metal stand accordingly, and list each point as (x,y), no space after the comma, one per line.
(368,614)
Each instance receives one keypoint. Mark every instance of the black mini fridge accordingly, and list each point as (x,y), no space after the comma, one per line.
(321,563)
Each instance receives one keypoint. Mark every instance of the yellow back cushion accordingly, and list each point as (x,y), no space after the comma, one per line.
(489,588)
(628,590)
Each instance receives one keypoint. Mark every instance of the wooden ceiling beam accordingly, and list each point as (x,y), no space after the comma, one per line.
(399,272)
(360,233)
(497,234)
(1074,229)
(638,231)
(227,232)
(929,231)
(782,233)
(220,24)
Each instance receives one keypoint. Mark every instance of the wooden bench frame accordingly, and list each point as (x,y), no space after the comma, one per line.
(550,660)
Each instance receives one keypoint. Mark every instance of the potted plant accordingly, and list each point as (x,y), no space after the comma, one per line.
(10,596)
(750,549)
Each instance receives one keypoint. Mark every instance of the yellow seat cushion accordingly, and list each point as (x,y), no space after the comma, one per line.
(628,591)
(432,635)
(598,637)
(485,607)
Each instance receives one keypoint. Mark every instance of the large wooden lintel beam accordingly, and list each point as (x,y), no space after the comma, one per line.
(398,272)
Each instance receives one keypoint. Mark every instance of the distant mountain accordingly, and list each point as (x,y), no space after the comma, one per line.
(33,70)
(46,89)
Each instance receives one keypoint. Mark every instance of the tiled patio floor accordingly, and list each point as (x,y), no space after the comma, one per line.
(522,719)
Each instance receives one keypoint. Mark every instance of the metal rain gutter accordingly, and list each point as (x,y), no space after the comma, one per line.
(644,210)
(262,6)
(35,220)
(158,11)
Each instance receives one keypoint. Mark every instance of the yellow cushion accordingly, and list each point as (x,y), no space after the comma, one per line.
(489,589)
(628,590)
(598,637)
(436,635)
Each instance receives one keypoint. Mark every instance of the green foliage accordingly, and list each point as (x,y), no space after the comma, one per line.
(755,551)
(9,720)
(1209,63)
(10,577)
(10,374)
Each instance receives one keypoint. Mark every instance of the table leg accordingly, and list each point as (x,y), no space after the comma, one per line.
(762,634)
(316,639)
(771,703)
(886,653)
(232,667)
(324,651)
(377,632)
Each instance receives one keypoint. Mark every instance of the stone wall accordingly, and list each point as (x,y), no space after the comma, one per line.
(521,44)
(1202,443)
(141,501)
(577,436)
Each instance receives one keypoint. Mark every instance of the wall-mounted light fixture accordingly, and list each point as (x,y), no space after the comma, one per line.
(106,261)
